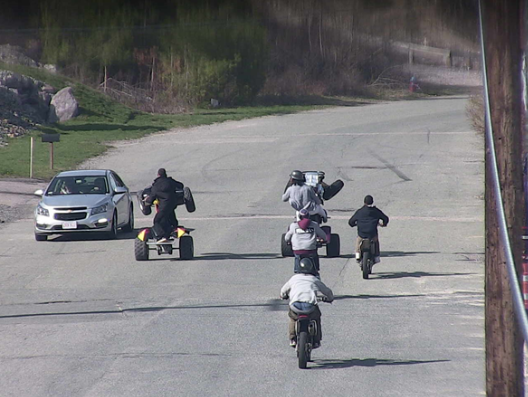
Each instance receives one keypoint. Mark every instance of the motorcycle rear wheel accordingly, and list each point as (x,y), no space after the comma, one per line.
(302,349)
(365,265)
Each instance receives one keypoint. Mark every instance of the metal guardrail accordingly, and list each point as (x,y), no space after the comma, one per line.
(518,302)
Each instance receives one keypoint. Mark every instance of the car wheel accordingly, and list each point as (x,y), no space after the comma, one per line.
(41,237)
(113,231)
(129,227)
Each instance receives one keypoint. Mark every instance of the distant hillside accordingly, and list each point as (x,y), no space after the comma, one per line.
(172,54)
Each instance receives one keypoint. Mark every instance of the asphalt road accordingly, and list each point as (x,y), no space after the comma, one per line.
(80,317)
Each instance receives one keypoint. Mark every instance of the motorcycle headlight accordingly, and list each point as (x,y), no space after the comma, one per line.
(99,210)
(42,211)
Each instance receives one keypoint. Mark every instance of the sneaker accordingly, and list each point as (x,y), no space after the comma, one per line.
(377,259)
(293,342)
(162,240)
(316,345)
(358,257)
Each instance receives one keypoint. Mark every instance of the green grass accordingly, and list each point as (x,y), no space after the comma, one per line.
(102,121)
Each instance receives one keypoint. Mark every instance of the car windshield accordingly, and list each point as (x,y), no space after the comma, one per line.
(68,185)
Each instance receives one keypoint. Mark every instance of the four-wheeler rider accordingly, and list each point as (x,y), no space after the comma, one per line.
(164,190)
(302,196)
(367,219)
(301,289)
(303,236)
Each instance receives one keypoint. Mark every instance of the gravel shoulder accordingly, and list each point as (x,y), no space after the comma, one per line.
(17,199)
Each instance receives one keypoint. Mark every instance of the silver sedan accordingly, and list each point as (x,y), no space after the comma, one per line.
(84,201)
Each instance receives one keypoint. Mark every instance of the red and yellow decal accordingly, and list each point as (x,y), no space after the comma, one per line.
(180,232)
(142,235)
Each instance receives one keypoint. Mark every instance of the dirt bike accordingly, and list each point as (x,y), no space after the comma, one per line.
(366,256)
(306,330)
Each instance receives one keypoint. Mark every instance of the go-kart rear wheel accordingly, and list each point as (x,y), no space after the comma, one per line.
(286,249)
(186,247)
(141,250)
(190,206)
(334,246)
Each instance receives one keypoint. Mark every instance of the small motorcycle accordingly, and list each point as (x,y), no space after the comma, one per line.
(366,256)
(306,330)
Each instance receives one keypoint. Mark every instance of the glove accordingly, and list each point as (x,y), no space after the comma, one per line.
(284,297)
(326,299)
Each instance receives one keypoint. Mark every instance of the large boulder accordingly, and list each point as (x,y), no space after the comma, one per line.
(63,106)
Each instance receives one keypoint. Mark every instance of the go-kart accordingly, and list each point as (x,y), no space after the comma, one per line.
(324,192)
(145,241)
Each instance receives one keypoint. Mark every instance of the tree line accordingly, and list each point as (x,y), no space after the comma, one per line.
(181,52)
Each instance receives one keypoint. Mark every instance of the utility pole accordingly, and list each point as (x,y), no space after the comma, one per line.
(503,44)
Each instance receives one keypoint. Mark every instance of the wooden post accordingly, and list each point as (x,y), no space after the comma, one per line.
(504,342)
(51,155)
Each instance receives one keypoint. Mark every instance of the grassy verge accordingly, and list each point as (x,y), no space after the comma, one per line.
(102,121)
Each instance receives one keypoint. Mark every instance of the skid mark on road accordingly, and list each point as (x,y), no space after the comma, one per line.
(391,167)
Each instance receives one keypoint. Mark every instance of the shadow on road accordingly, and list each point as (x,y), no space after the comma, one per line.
(272,305)
(218,256)
(343,297)
(92,236)
(393,254)
(390,276)
(390,254)
(368,362)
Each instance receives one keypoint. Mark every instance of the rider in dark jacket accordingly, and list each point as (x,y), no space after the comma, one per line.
(367,219)
(164,190)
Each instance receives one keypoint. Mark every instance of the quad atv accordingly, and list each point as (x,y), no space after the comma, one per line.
(145,241)
(324,192)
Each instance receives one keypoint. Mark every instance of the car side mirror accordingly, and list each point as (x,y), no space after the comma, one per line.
(120,190)
(39,192)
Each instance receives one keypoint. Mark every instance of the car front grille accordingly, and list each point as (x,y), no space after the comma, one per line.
(70,216)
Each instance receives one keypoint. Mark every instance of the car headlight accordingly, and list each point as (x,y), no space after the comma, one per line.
(42,211)
(100,209)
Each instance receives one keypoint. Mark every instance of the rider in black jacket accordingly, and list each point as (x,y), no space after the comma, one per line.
(367,219)
(164,190)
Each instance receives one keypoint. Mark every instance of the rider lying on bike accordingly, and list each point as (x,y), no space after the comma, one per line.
(301,289)
(301,196)
(303,236)
(367,219)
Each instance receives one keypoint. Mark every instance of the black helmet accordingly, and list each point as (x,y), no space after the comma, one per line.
(306,266)
(369,200)
(297,175)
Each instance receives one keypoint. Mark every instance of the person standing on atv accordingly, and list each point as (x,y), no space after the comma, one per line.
(367,219)
(164,190)
(303,236)
(301,289)
(301,196)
